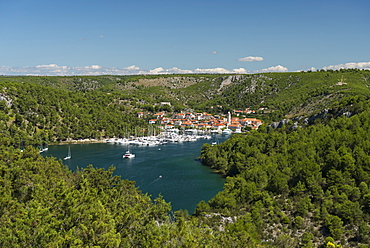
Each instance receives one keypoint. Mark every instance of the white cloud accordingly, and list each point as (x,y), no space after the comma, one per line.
(250,59)
(47,66)
(277,68)
(51,66)
(175,70)
(95,67)
(221,71)
(358,65)
(214,70)
(86,68)
(158,70)
(56,70)
(132,68)
(240,71)
(214,52)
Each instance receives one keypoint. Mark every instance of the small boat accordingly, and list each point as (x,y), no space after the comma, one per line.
(128,154)
(69,156)
(45,149)
(227,131)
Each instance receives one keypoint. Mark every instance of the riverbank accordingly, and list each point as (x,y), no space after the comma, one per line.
(80,141)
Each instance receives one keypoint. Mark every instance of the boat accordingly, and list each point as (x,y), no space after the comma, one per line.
(215,142)
(45,148)
(128,154)
(227,131)
(69,156)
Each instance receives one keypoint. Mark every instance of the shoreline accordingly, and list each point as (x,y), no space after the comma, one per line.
(82,141)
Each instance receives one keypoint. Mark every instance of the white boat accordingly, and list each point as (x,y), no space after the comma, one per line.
(45,149)
(69,156)
(227,131)
(128,154)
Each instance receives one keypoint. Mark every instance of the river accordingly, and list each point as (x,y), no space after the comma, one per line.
(171,170)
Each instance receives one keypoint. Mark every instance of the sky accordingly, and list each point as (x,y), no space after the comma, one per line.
(120,37)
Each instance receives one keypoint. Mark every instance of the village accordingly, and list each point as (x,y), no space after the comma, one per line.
(204,121)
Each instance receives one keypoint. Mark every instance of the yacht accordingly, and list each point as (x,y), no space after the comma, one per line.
(128,154)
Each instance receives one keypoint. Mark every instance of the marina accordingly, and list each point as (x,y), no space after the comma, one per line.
(161,139)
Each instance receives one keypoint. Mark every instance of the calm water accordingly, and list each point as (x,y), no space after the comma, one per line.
(172,171)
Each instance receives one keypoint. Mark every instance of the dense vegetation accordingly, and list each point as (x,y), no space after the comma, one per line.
(291,93)
(305,184)
(32,114)
(45,205)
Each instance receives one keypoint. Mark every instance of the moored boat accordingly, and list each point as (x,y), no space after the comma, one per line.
(69,156)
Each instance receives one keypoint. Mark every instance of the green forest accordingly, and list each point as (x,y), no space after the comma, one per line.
(303,184)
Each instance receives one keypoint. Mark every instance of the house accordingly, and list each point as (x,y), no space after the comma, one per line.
(179,116)
(177,122)
(198,116)
(152,121)
(251,122)
(207,116)
(189,116)
(219,126)
(235,127)
(160,114)
(165,120)
(238,112)
(168,127)
(185,124)
(235,119)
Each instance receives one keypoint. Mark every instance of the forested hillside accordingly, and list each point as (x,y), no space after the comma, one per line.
(39,110)
(291,93)
(304,183)
(298,187)
(31,114)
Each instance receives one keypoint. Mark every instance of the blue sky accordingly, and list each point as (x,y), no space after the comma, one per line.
(78,37)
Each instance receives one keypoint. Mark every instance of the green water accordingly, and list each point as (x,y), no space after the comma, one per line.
(171,170)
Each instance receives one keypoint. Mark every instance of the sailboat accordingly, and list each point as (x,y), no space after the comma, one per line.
(41,149)
(69,156)
(215,142)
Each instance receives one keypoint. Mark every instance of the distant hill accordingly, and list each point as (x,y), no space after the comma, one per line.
(291,93)
(58,108)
